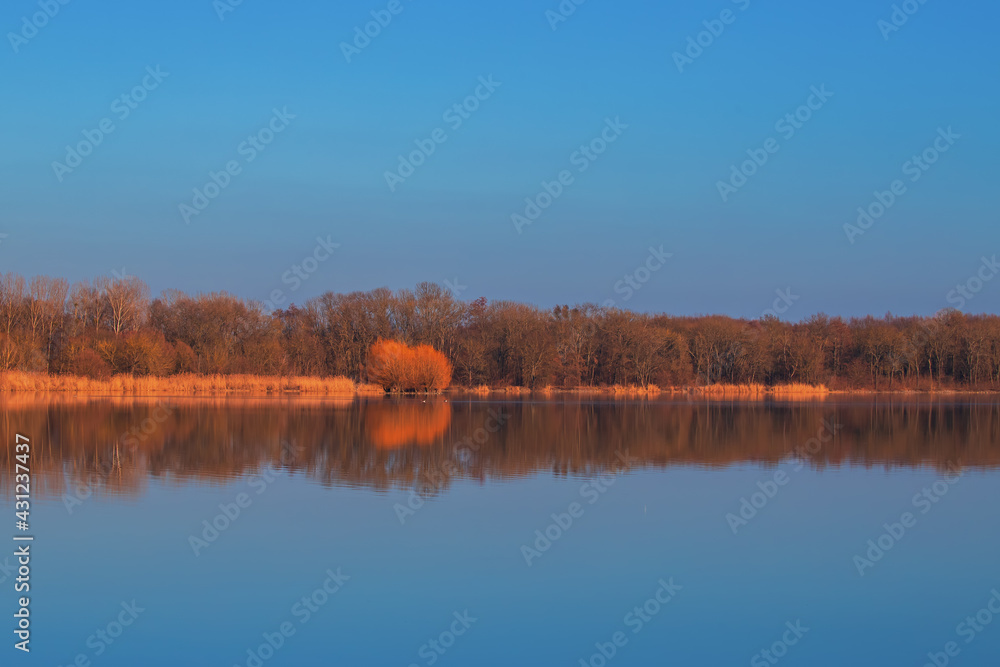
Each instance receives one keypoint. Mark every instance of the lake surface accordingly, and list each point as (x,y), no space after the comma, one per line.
(487,532)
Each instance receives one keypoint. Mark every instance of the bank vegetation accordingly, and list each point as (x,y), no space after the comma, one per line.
(110,335)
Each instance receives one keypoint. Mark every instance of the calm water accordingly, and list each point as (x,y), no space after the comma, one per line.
(474,532)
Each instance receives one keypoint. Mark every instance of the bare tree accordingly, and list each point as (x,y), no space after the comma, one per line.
(38,290)
(88,303)
(128,300)
(11,300)
(53,311)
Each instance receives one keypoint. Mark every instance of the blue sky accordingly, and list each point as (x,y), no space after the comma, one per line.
(657,183)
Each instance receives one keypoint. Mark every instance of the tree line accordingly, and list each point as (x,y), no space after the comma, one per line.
(108,326)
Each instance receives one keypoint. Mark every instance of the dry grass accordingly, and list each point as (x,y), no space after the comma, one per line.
(798,389)
(184,384)
(790,391)
(635,390)
(740,390)
(745,391)
(618,390)
(549,390)
(513,391)
(29,399)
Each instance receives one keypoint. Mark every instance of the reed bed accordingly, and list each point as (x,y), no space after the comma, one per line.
(513,391)
(798,389)
(549,390)
(185,384)
(618,390)
(635,390)
(731,390)
(756,390)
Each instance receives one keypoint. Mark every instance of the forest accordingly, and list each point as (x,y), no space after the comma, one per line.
(111,326)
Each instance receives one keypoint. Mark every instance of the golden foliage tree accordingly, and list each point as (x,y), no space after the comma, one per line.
(399,367)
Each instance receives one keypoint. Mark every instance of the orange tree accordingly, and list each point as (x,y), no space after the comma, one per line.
(399,367)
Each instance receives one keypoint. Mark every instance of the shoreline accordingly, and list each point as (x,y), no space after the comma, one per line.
(21,383)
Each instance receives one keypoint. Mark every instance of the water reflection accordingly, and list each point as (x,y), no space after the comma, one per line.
(392,425)
(114,445)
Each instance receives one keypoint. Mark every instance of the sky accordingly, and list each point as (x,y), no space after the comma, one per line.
(598,152)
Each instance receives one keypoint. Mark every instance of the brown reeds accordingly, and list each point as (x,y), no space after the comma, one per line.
(799,389)
(185,384)
(635,390)
(756,390)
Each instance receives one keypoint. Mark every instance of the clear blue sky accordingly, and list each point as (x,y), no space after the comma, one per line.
(656,184)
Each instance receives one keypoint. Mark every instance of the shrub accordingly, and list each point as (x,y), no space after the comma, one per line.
(87,363)
(398,367)
(186,360)
(429,369)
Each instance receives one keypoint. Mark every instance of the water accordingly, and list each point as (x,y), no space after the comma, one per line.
(420,518)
